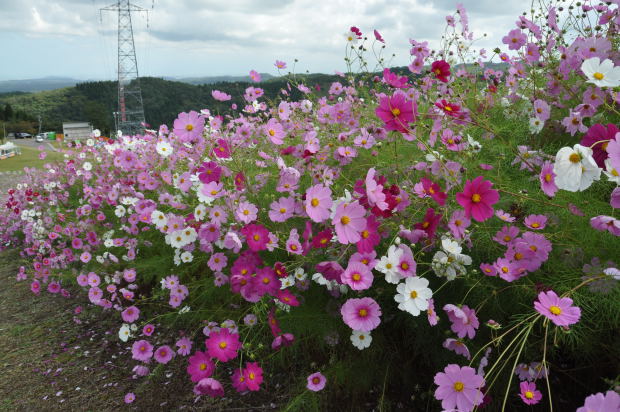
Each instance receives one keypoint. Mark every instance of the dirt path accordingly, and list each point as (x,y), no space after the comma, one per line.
(48,362)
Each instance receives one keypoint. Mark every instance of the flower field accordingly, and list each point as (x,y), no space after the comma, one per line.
(438,238)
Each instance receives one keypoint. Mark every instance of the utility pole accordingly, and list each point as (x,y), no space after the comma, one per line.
(130,115)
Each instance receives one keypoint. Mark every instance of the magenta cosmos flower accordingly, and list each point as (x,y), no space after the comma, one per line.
(529,394)
(316,382)
(459,388)
(477,198)
(188,126)
(257,236)
(441,70)
(253,375)
(200,366)
(361,314)
(349,222)
(223,345)
(318,202)
(559,310)
(130,314)
(396,111)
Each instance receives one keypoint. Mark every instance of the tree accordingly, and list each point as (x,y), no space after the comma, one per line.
(8,112)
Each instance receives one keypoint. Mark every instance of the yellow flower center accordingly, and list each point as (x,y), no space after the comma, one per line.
(363,313)
(598,76)
(256,237)
(246,212)
(189,127)
(314,202)
(448,108)
(396,111)
(458,386)
(203,366)
(252,375)
(555,310)
(223,345)
(345,220)
(272,132)
(529,394)
(475,198)
(574,158)
(356,277)
(548,177)
(366,233)
(458,223)
(282,210)
(404,266)
(316,380)
(413,294)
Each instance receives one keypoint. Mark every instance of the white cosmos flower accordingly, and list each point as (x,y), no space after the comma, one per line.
(536,125)
(159,219)
(361,340)
(388,265)
(612,174)
(575,168)
(187,257)
(87,166)
(120,211)
(164,148)
(124,332)
(602,74)
(413,295)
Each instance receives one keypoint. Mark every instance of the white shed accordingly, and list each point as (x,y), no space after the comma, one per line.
(77,130)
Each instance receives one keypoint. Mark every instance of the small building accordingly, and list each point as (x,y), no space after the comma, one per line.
(77,130)
(9,150)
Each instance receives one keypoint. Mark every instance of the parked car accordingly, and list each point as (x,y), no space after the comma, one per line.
(20,135)
(41,137)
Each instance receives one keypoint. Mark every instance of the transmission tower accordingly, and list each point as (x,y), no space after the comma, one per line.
(130,115)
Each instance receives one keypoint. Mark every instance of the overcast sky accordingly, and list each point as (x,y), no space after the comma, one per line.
(224,37)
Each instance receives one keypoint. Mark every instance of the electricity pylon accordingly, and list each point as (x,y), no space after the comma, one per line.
(130,116)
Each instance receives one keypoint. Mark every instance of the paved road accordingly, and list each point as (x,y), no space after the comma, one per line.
(33,143)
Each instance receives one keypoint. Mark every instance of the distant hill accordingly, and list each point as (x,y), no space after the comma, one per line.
(217,79)
(52,82)
(95,101)
(36,85)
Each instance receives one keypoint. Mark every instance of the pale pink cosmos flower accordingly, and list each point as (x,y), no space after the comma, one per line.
(349,221)
(374,191)
(318,203)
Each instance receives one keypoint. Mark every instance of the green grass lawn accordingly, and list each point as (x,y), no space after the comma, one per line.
(28,158)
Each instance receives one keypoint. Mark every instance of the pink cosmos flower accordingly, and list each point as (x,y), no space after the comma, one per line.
(547,179)
(316,381)
(148,330)
(378,36)
(478,198)
(536,222)
(357,275)
(529,394)
(458,223)
(131,314)
(142,350)
(129,397)
(459,388)
(374,191)
(601,402)
(515,39)
(613,151)
(253,375)
(163,354)
(217,262)
(275,131)
(188,126)
(318,203)
(184,345)
(200,366)
(220,96)
(282,209)
(396,111)
(369,237)
(559,310)
(280,64)
(464,320)
(361,314)
(223,345)
(246,212)
(255,76)
(349,222)
(209,386)
(457,346)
